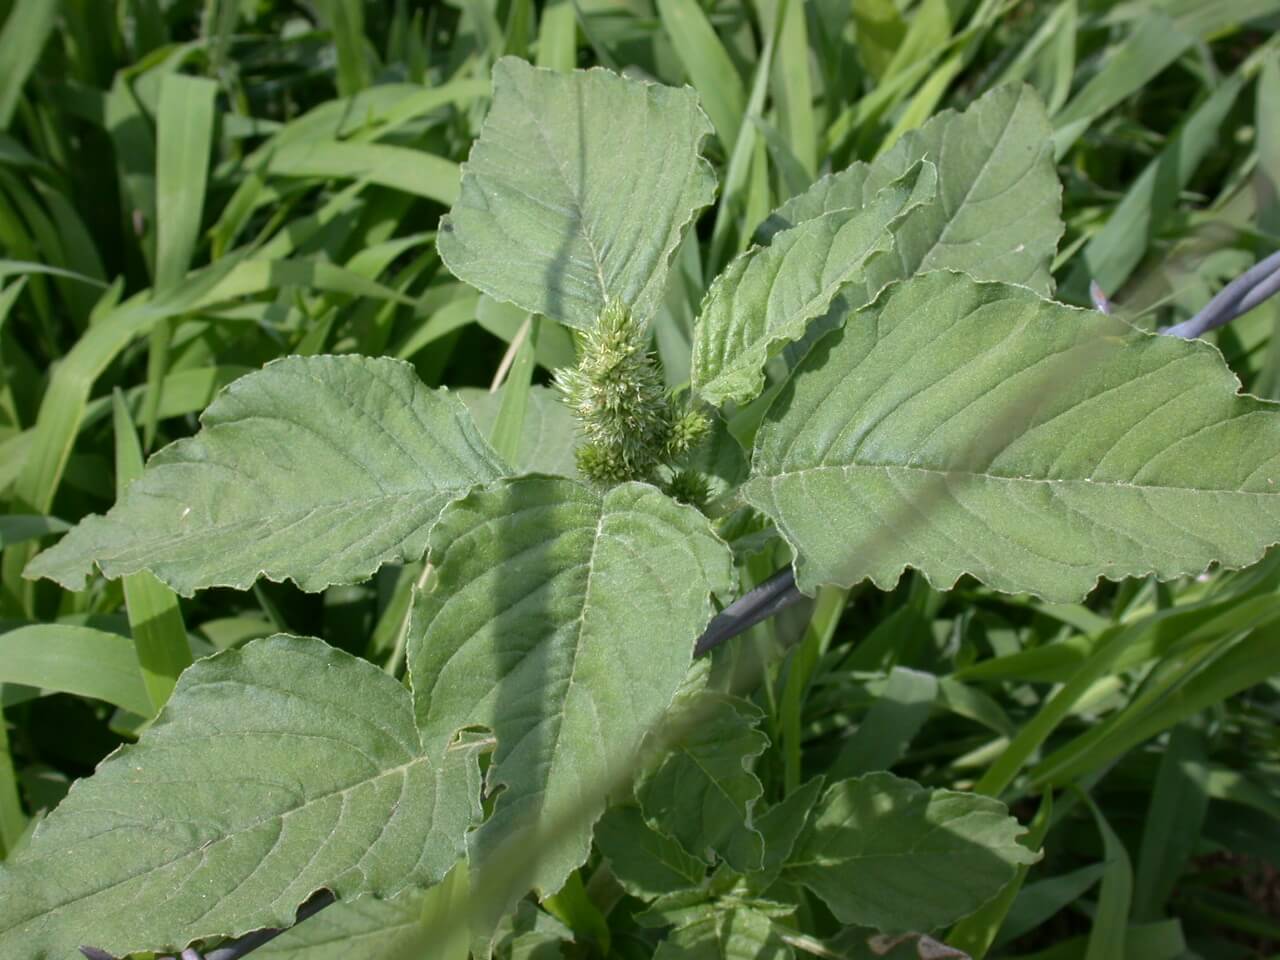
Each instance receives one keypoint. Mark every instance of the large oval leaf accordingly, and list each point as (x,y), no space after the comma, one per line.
(997,214)
(887,853)
(315,469)
(770,295)
(563,620)
(579,189)
(959,427)
(275,770)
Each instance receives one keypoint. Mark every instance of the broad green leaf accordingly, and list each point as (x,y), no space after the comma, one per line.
(887,853)
(704,790)
(737,933)
(315,469)
(579,189)
(549,435)
(997,214)
(958,427)
(275,770)
(563,620)
(770,295)
(647,863)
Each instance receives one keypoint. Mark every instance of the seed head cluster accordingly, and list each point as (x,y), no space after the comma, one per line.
(630,427)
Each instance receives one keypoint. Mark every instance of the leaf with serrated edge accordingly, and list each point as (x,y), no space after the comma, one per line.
(999,199)
(704,790)
(887,853)
(563,620)
(958,427)
(275,770)
(314,469)
(770,295)
(579,188)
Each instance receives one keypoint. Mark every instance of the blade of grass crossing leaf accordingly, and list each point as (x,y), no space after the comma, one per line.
(79,660)
(889,726)
(509,424)
(155,618)
(1034,732)
(1187,689)
(817,636)
(184,136)
(977,932)
(1111,918)
(1175,816)
(707,64)
(558,37)
(21,42)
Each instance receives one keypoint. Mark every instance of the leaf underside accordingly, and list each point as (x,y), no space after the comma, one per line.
(958,427)
(314,469)
(563,620)
(276,770)
(578,189)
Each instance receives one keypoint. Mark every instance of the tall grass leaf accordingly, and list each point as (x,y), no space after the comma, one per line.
(1174,820)
(508,426)
(792,82)
(707,65)
(885,733)
(1111,918)
(22,40)
(414,172)
(1155,42)
(1112,254)
(19,528)
(345,19)
(79,660)
(184,136)
(558,36)
(155,619)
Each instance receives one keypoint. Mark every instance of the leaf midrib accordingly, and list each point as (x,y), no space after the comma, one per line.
(995,477)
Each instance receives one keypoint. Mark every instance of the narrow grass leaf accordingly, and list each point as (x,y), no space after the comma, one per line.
(79,660)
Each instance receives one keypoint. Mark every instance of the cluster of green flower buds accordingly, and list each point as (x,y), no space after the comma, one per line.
(631,428)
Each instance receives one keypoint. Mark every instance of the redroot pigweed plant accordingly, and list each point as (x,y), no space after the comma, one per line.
(881,382)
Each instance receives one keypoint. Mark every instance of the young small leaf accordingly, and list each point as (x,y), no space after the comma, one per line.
(578,190)
(770,295)
(315,469)
(647,863)
(958,427)
(704,791)
(887,853)
(275,770)
(563,619)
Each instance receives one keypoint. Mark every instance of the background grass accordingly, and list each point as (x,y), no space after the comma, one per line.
(191,189)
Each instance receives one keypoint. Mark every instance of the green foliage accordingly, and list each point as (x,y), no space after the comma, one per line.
(1022,523)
